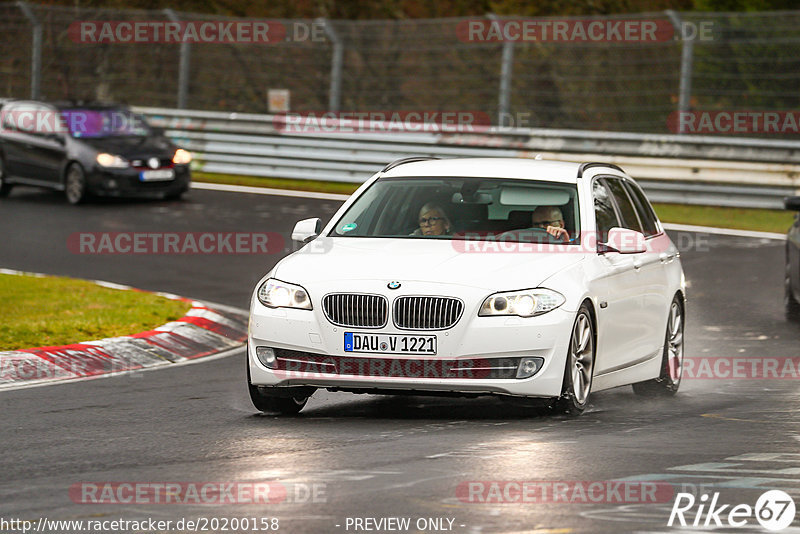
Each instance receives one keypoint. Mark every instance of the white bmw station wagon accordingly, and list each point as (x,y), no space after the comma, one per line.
(490,276)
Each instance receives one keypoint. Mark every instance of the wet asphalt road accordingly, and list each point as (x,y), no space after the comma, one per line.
(384,456)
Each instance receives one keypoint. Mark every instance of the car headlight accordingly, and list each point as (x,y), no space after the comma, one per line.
(277,294)
(110,160)
(182,157)
(524,303)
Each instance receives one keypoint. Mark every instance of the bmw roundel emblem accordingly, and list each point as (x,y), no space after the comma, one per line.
(394,284)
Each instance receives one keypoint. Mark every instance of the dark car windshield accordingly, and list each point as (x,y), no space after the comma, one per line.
(96,123)
(463,208)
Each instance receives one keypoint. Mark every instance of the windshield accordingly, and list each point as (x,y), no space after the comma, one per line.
(95,123)
(464,208)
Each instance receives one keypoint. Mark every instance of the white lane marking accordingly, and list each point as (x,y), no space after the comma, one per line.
(267,191)
(723,231)
(334,196)
(223,354)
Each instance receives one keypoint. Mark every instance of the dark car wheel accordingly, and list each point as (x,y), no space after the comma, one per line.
(264,402)
(5,187)
(177,195)
(791,304)
(580,366)
(75,184)
(669,380)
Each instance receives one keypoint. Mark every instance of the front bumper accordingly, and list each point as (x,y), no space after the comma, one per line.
(125,182)
(472,346)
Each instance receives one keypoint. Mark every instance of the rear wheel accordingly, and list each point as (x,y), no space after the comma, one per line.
(580,366)
(75,184)
(669,380)
(5,187)
(790,303)
(264,402)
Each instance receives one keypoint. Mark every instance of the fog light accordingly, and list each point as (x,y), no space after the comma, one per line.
(266,356)
(529,366)
(111,183)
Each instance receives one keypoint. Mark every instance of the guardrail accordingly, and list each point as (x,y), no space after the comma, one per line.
(683,169)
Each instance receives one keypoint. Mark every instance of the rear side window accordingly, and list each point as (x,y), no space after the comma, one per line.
(604,212)
(627,211)
(644,209)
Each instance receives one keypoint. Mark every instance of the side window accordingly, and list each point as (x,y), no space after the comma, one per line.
(604,212)
(626,210)
(644,209)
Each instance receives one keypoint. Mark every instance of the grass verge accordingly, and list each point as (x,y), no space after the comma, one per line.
(761,220)
(47,311)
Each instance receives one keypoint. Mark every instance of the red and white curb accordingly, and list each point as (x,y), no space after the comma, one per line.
(206,330)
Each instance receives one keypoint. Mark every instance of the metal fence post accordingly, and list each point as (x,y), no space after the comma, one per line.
(687,57)
(36,50)
(183,65)
(506,65)
(335,96)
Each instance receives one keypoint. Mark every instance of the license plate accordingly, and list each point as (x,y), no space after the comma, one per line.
(389,343)
(157,175)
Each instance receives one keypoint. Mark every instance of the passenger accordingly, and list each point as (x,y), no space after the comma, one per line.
(433,220)
(551,220)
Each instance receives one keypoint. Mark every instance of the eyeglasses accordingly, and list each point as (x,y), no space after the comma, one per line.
(555,222)
(425,221)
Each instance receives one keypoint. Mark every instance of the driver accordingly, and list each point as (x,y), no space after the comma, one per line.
(551,220)
(433,220)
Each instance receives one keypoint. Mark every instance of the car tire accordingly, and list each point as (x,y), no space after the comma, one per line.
(264,402)
(790,303)
(579,369)
(75,184)
(5,187)
(178,195)
(669,380)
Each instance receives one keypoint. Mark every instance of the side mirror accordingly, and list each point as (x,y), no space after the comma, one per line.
(307,229)
(625,241)
(792,203)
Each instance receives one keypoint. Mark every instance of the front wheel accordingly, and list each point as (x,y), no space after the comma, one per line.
(669,380)
(264,402)
(790,303)
(580,366)
(5,187)
(75,184)
(177,195)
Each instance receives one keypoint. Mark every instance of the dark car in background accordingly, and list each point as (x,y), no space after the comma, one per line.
(792,279)
(96,149)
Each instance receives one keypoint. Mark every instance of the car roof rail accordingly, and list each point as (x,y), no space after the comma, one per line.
(588,165)
(402,161)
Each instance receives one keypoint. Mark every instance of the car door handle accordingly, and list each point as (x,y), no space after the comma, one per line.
(637,264)
(666,258)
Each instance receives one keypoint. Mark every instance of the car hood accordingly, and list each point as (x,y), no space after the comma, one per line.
(132,146)
(438,261)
